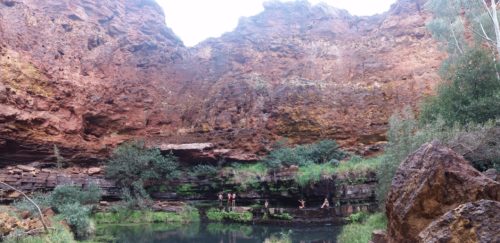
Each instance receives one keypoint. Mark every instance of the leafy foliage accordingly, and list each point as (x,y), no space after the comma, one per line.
(214,214)
(42,200)
(70,194)
(472,94)
(326,151)
(73,204)
(361,231)
(132,164)
(203,170)
(78,218)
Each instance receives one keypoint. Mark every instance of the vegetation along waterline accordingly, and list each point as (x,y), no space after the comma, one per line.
(304,124)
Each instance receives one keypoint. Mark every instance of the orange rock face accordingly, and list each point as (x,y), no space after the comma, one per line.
(86,75)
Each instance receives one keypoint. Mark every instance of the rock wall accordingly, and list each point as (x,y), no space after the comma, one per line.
(86,75)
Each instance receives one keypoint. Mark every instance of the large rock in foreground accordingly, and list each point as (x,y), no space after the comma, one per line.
(470,222)
(431,182)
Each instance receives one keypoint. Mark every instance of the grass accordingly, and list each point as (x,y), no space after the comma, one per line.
(362,232)
(188,215)
(356,167)
(282,216)
(217,215)
(59,234)
(246,175)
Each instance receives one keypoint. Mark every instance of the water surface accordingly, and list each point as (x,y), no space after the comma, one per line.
(215,233)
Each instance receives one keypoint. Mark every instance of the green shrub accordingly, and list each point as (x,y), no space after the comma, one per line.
(71,194)
(246,175)
(356,168)
(78,218)
(282,216)
(58,235)
(362,232)
(42,200)
(471,96)
(203,171)
(214,214)
(312,173)
(358,217)
(319,153)
(132,164)
(185,190)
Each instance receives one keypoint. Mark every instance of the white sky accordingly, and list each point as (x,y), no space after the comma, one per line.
(196,20)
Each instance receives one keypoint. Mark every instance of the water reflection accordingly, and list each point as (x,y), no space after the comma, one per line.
(215,233)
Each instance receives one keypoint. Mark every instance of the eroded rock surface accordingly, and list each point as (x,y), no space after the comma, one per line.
(429,183)
(471,222)
(86,75)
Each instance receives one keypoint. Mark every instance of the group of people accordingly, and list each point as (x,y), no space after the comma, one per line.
(231,199)
(326,203)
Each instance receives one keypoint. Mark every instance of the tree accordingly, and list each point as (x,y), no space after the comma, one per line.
(132,164)
(456,18)
(463,24)
(471,95)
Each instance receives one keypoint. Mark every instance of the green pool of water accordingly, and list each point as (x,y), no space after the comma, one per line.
(215,233)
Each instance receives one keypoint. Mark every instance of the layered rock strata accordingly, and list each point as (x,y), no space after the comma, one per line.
(86,75)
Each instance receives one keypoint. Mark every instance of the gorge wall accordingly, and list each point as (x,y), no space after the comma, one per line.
(86,75)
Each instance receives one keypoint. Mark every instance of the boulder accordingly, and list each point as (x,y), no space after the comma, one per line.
(471,222)
(430,182)
(94,170)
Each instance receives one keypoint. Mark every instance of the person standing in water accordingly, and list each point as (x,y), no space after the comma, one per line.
(221,199)
(228,201)
(302,204)
(326,204)
(234,200)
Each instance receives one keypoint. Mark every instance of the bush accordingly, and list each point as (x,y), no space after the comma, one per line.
(78,218)
(282,216)
(203,170)
(42,200)
(58,235)
(132,164)
(361,232)
(471,96)
(71,194)
(246,175)
(358,217)
(355,168)
(319,153)
(214,214)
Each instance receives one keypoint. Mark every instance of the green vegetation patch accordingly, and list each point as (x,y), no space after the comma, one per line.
(282,216)
(187,215)
(361,230)
(59,234)
(214,214)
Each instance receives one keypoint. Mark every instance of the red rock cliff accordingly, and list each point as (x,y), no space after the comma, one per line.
(86,75)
